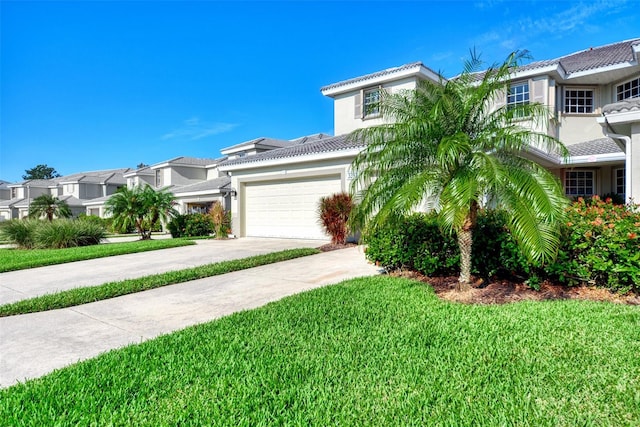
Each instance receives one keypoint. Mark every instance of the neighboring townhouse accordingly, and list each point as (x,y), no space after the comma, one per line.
(592,96)
(74,189)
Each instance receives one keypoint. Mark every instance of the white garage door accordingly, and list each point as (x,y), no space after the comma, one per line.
(287,208)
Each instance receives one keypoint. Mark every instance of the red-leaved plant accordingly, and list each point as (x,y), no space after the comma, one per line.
(334,213)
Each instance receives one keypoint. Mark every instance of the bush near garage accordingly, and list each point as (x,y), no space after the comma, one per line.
(191,225)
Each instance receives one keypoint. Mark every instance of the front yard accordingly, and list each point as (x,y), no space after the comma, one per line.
(371,351)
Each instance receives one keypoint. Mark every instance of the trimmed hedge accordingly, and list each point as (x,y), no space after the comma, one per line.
(191,225)
(600,246)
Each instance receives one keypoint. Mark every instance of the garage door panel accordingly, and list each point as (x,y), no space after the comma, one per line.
(287,208)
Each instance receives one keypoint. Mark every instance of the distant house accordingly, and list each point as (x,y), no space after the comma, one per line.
(74,189)
(593,96)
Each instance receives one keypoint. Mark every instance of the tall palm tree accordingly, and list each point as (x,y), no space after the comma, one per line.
(140,207)
(49,206)
(449,143)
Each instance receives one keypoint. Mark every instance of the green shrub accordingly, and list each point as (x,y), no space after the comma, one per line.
(600,246)
(19,232)
(177,226)
(414,242)
(59,234)
(495,251)
(191,225)
(198,225)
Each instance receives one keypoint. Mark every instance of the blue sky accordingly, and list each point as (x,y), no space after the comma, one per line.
(105,84)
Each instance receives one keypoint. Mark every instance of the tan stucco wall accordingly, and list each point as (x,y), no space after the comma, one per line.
(578,128)
(344,107)
(185,175)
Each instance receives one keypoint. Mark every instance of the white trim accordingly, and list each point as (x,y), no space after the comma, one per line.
(359,83)
(595,158)
(293,160)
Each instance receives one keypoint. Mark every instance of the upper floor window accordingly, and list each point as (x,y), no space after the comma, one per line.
(158,178)
(630,89)
(579,183)
(371,103)
(518,95)
(578,101)
(14,193)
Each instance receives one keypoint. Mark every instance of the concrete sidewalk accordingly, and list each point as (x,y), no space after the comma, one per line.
(35,344)
(23,284)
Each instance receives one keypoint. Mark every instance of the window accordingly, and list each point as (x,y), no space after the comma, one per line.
(371,104)
(579,183)
(578,101)
(158,178)
(518,95)
(619,176)
(630,89)
(14,193)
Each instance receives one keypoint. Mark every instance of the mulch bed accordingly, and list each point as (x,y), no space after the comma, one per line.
(334,247)
(506,291)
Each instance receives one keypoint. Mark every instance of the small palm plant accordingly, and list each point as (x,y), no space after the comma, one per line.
(50,207)
(334,214)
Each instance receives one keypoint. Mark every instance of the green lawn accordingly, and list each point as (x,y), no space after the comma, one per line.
(375,351)
(18,259)
(77,296)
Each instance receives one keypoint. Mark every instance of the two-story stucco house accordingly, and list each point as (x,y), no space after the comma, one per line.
(592,96)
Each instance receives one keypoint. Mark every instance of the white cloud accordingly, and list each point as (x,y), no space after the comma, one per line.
(566,18)
(193,129)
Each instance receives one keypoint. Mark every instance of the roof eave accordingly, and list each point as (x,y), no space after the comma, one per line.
(418,70)
(305,158)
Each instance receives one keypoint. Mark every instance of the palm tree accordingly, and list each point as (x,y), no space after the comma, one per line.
(449,143)
(160,206)
(140,207)
(49,206)
(127,209)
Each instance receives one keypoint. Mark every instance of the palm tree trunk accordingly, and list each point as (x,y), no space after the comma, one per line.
(465,244)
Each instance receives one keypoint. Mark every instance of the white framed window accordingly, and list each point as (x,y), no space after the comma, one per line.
(371,103)
(619,177)
(158,178)
(630,89)
(578,101)
(14,193)
(579,182)
(518,94)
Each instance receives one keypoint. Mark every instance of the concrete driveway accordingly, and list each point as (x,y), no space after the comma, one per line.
(23,284)
(33,345)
